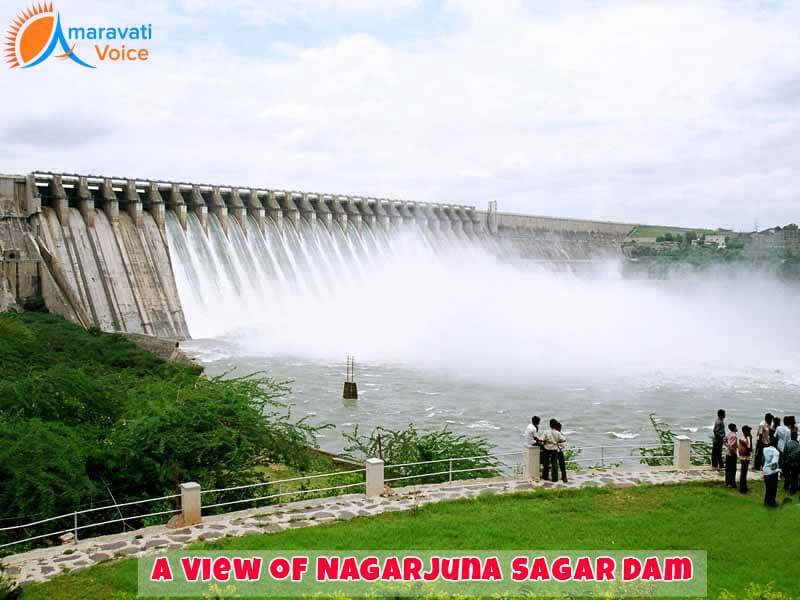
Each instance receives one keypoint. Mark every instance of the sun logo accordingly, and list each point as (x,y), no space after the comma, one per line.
(34,36)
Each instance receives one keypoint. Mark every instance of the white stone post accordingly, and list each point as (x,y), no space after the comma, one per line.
(374,477)
(190,503)
(683,448)
(530,463)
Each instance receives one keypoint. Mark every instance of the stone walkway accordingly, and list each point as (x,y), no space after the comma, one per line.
(46,563)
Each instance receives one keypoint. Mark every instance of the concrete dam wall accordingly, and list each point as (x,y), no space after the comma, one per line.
(138,256)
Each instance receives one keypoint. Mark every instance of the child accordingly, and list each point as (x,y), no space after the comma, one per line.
(771,471)
(745,451)
(731,443)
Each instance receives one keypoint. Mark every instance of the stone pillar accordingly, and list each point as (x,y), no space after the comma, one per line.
(381,216)
(85,202)
(683,449)
(324,214)
(307,211)
(155,205)
(431,217)
(530,463)
(274,209)
(358,212)
(339,213)
(237,210)
(405,213)
(190,503)
(59,200)
(374,477)
(177,204)
(133,203)
(219,208)
(395,218)
(290,211)
(199,207)
(33,201)
(255,209)
(108,199)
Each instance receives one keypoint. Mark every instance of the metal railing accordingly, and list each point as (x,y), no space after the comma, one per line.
(496,465)
(603,456)
(446,469)
(76,526)
(280,483)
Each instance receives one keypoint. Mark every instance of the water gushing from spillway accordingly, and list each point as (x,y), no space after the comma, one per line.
(446,301)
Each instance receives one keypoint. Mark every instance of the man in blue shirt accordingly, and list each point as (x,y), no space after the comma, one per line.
(771,471)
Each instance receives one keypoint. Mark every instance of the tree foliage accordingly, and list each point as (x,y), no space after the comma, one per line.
(87,416)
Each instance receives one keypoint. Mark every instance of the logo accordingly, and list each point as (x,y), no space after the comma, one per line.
(37,34)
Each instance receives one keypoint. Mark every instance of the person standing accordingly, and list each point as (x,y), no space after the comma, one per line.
(719,439)
(782,434)
(532,433)
(771,471)
(561,444)
(762,440)
(745,451)
(550,445)
(731,448)
(791,463)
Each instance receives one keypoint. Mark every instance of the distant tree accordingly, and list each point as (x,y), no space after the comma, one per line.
(660,239)
(690,236)
(668,237)
(679,238)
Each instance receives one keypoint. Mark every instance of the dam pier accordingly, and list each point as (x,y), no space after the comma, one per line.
(106,251)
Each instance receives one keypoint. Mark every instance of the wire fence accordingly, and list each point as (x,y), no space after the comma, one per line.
(453,468)
(622,455)
(285,490)
(102,518)
(151,511)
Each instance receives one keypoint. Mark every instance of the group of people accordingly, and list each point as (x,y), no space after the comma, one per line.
(777,452)
(552,444)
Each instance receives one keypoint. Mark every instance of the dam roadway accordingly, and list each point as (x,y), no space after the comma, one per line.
(96,248)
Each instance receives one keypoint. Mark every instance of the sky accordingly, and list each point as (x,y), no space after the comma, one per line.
(678,113)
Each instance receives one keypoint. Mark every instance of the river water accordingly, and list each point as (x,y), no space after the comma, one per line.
(445,333)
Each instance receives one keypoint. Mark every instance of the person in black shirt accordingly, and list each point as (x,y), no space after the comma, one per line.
(719,440)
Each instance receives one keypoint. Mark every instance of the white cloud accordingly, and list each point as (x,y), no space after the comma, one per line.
(683,113)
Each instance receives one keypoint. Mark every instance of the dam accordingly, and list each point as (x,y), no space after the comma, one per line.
(462,317)
(111,252)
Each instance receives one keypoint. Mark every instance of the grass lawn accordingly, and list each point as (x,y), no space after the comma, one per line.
(746,543)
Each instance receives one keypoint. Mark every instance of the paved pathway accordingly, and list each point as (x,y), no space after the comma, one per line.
(46,563)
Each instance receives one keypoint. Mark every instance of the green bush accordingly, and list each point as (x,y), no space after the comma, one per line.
(408,445)
(664,454)
(87,415)
(42,469)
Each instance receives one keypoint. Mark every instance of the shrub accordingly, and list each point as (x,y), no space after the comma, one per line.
(663,455)
(84,415)
(399,447)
